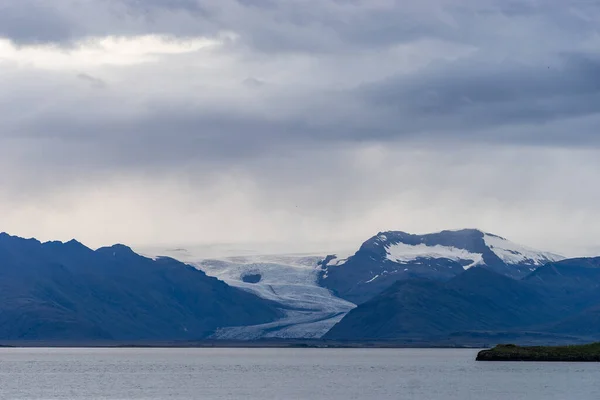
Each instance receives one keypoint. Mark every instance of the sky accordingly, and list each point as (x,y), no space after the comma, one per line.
(300,122)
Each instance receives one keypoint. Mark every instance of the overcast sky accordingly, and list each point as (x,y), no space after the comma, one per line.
(166,122)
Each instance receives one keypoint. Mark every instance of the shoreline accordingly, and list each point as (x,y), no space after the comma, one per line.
(278,344)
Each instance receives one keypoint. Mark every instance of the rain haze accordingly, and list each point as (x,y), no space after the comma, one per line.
(302,123)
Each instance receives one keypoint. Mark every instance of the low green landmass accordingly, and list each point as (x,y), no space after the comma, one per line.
(511,352)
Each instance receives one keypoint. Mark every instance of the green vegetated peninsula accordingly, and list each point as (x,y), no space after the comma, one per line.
(510,352)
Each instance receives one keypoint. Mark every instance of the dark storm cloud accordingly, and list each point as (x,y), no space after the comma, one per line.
(469,95)
(454,102)
(67,21)
(529,74)
(305,26)
(266,25)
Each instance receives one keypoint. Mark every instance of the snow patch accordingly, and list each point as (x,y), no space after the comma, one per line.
(336,262)
(340,258)
(512,253)
(402,253)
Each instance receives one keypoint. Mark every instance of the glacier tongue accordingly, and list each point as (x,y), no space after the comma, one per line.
(288,279)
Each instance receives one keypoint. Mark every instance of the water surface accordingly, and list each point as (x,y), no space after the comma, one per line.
(332,374)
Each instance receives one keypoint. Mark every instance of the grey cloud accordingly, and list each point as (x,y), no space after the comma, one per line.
(92,80)
(469,95)
(166,139)
(253,82)
(30,21)
(511,104)
(308,26)
(147,5)
(333,26)
(67,21)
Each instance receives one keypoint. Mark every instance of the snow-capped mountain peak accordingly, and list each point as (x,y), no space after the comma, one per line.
(402,248)
(395,255)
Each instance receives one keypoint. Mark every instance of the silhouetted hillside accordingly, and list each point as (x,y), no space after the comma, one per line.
(66,291)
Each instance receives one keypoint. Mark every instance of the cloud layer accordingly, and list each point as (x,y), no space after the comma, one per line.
(162,122)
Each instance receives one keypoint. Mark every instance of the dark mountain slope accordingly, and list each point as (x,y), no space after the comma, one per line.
(570,275)
(66,291)
(575,285)
(585,323)
(561,298)
(476,300)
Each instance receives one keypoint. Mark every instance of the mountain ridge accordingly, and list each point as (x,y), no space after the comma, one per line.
(481,300)
(67,291)
(108,293)
(397,255)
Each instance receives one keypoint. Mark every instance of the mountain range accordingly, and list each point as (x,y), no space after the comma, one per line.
(449,287)
(68,292)
(559,298)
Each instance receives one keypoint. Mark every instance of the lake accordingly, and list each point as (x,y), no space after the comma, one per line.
(332,374)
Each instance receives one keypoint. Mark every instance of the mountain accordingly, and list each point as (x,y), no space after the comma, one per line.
(68,292)
(481,300)
(392,256)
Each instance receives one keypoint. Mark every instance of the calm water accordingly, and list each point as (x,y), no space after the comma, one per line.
(284,374)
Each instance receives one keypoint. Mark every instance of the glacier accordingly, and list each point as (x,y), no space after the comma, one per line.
(289,279)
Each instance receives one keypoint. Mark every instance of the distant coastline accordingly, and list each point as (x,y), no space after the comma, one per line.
(266,343)
(262,343)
